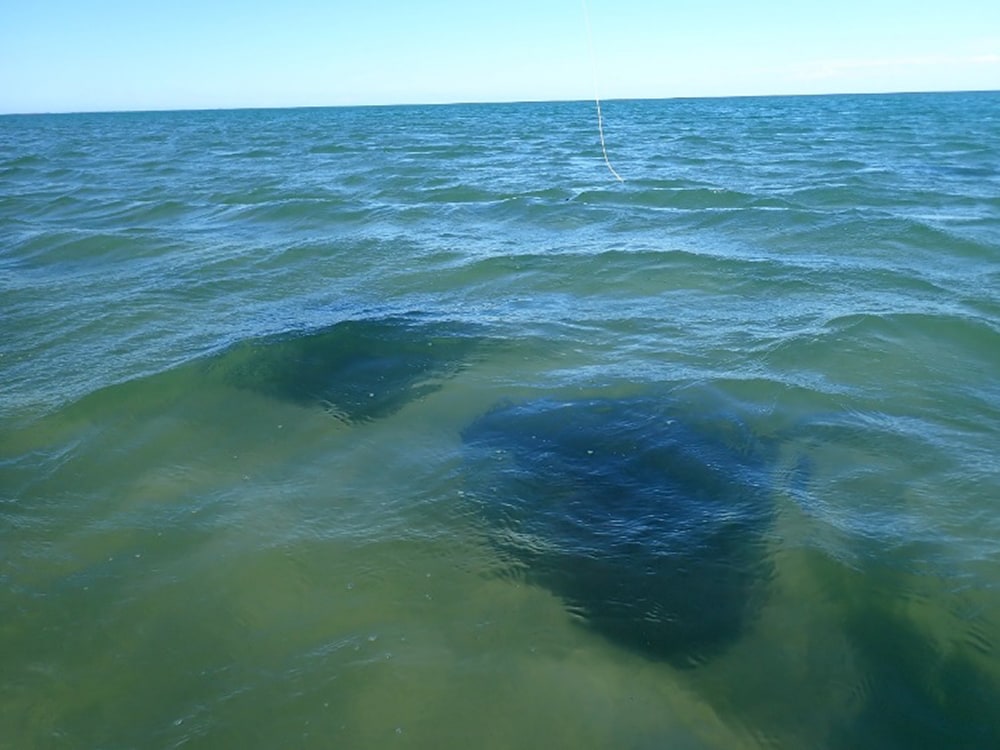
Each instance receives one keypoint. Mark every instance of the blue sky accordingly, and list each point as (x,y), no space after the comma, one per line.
(83,55)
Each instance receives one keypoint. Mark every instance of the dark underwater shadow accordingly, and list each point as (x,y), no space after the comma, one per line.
(357,370)
(208,423)
(915,689)
(648,524)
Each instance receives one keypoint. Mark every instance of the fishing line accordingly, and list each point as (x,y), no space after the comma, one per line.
(597,99)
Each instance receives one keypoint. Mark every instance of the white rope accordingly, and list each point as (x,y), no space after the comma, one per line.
(597,99)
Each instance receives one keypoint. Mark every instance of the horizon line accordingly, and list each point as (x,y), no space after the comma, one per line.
(498,102)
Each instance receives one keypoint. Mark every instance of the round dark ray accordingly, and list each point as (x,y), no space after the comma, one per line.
(648,525)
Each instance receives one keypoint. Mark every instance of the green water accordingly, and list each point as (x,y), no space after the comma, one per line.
(245,355)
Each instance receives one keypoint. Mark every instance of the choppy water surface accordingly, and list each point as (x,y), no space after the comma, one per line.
(411,426)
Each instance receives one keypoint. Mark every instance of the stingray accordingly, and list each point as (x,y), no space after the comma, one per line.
(649,525)
(358,370)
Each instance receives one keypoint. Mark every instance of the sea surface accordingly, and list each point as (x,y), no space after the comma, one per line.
(413,427)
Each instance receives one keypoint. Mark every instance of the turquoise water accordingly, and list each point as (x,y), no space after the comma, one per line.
(410,426)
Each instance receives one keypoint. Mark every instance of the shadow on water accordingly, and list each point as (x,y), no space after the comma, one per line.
(357,370)
(649,524)
(657,524)
(917,688)
(204,412)
(653,518)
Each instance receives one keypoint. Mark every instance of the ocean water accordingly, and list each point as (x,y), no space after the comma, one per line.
(412,427)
